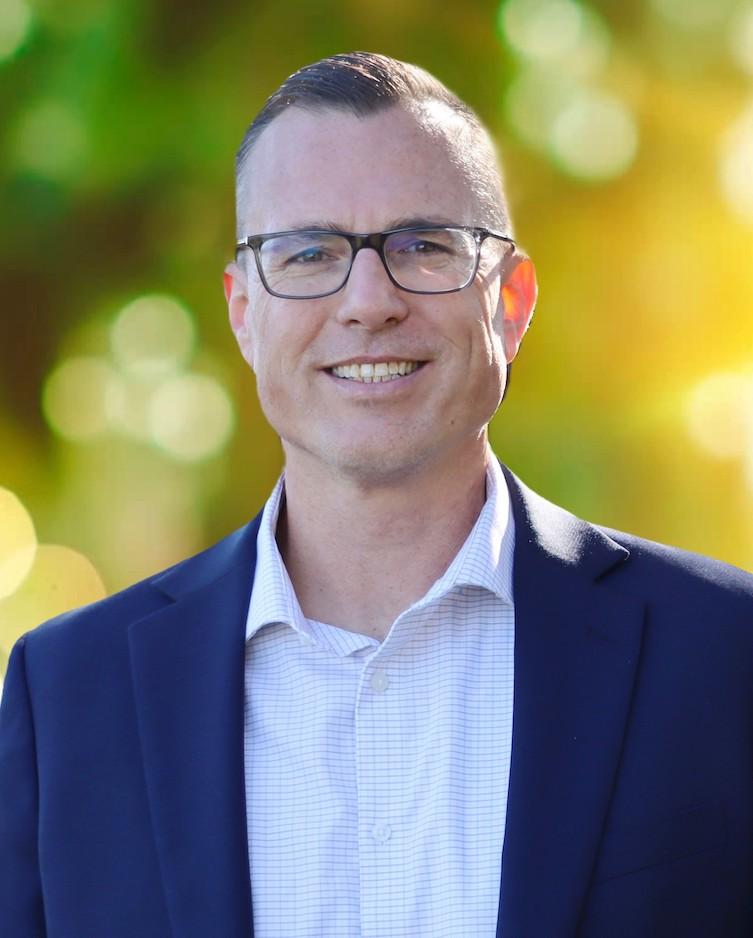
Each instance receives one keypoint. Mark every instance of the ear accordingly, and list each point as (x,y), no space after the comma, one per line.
(517,301)
(236,295)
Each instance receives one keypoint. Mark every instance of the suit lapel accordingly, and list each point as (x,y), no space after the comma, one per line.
(187,665)
(577,642)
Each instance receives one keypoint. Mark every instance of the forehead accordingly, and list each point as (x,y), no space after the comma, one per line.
(362,174)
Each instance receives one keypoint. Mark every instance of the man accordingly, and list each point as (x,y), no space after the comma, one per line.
(412,697)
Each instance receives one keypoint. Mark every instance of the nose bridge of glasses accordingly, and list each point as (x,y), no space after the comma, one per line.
(360,241)
(375,241)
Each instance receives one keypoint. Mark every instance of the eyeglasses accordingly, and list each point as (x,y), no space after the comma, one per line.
(306,265)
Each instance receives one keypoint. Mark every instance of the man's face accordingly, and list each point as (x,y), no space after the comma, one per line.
(365,175)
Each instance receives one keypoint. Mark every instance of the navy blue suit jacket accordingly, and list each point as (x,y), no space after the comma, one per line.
(630,811)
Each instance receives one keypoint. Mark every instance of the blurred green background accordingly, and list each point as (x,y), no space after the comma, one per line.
(130,435)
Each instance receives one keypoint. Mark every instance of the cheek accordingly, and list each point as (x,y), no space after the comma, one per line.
(275,399)
(258,348)
(488,345)
(487,365)
(246,345)
(495,331)
(491,310)
(277,363)
(269,374)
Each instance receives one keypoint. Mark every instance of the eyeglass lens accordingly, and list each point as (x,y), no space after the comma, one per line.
(308,263)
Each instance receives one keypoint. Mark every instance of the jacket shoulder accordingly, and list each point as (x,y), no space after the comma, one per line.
(112,615)
(701,600)
(674,564)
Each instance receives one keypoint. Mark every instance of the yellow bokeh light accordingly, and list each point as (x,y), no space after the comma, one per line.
(719,415)
(15,23)
(81,396)
(736,166)
(152,337)
(18,543)
(741,38)
(60,579)
(50,140)
(595,136)
(191,417)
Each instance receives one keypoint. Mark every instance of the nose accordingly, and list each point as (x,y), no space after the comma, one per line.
(370,298)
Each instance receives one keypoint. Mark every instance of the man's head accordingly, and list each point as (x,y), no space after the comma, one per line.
(363,144)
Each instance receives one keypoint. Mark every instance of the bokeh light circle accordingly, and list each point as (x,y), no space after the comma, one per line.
(741,38)
(542,29)
(719,415)
(736,167)
(50,140)
(153,336)
(534,100)
(60,579)
(130,413)
(191,417)
(594,137)
(558,33)
(18,542)
(15,23)
(81,396)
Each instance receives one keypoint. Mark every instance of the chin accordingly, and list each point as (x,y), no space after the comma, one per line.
(375,466)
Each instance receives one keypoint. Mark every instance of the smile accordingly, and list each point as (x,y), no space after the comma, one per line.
(375,372)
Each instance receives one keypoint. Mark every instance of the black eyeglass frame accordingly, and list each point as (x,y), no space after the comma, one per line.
(375,240)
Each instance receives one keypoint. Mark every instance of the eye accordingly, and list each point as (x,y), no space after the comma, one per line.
(425,243)
(423,246)
(309,255)
(307,250)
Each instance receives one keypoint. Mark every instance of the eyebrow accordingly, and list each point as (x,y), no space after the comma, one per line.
(418,221)
(404,221)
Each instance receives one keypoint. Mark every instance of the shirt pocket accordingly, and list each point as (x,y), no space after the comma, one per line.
(628,848)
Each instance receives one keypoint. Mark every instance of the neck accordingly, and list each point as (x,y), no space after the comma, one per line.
(359,554)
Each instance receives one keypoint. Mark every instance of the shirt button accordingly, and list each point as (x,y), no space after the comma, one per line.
(381,833)
(379,681)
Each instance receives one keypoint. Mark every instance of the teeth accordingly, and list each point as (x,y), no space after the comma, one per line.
(370,373)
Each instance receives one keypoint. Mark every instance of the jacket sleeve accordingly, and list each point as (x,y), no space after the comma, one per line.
(21,906)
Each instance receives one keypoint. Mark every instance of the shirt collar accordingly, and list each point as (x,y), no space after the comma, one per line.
(484,560)
(273,598)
